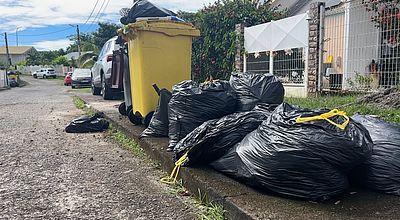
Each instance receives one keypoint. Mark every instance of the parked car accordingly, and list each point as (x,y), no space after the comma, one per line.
(81,78)
(68,79)
(101,70)
(44,73)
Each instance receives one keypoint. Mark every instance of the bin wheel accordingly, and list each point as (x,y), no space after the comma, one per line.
(134,119)
(122,108)
(128,109)
(147,119)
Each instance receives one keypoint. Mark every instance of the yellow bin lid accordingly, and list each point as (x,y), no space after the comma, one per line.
(170,28)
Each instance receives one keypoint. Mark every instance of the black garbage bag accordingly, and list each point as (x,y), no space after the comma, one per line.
(192,104)
(215,137)
(144,8)
(253,88)
(305,160)
(382,171)
(87,124)
(158,126)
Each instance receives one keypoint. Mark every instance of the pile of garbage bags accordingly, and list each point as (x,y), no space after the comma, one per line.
(242,128)
(306,160)
(381,172)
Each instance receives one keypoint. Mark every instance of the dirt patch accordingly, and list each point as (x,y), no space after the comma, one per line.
(390,98)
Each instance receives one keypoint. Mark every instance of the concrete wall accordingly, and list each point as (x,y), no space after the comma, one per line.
(2,78)
(293,90)
(60,70)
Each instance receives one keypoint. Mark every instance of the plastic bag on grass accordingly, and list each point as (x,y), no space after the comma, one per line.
(214,138)
(296,153)
(87,124)
(158,126)
(382,171)
(144,8)
(192,104)
(253,88)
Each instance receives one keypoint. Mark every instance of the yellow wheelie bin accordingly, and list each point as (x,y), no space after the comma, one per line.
(160,53)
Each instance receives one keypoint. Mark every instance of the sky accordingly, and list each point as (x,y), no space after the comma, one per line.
(46,24)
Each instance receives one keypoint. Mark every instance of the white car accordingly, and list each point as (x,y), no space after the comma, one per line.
(44,73)
(101,70)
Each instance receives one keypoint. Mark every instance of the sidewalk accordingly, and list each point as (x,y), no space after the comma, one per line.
(242,202)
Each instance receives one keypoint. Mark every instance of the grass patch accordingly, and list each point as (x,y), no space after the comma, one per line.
(210,211)
(178,188)
(213,212)
(348,104)
(79,103)
(128,143)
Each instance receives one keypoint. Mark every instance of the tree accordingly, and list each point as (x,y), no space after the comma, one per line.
(386,16)
(60,60)
(214,52)
(104,32)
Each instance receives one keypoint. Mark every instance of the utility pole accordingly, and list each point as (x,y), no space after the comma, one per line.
(7,50)
(79,40)
(8,56)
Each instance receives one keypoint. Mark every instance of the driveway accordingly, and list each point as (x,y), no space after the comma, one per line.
(46,173)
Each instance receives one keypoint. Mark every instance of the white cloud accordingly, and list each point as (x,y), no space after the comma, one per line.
(40,13)
(52,45)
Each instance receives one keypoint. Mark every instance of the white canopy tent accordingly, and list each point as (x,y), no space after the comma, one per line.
(283,34)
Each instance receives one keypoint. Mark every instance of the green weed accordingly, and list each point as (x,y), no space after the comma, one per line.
(79,103)
(210,210)
(128,143)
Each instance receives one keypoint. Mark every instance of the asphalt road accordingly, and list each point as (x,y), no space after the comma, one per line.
(46,173)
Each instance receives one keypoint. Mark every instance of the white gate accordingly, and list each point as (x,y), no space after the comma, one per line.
(281,48)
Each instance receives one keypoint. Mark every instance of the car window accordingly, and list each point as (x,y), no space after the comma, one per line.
(103,50)
(81,73)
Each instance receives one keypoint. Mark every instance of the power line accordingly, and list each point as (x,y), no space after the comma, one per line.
(53,32)
(91,13)
(97,18)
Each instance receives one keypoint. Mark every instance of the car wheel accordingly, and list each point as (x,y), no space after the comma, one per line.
(65,84)
(95,90)
(44,76)
(73,87)
(35,76)
(105,89)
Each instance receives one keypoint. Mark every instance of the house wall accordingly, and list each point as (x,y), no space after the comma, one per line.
(14,58)
(335,39)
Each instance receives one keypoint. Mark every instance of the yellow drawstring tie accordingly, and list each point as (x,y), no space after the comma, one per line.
(171,179)
(326,116)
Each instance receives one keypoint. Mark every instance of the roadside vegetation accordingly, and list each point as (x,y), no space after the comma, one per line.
(347,103)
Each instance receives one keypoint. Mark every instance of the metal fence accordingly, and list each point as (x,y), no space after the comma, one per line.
(288,65)
(361,45)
